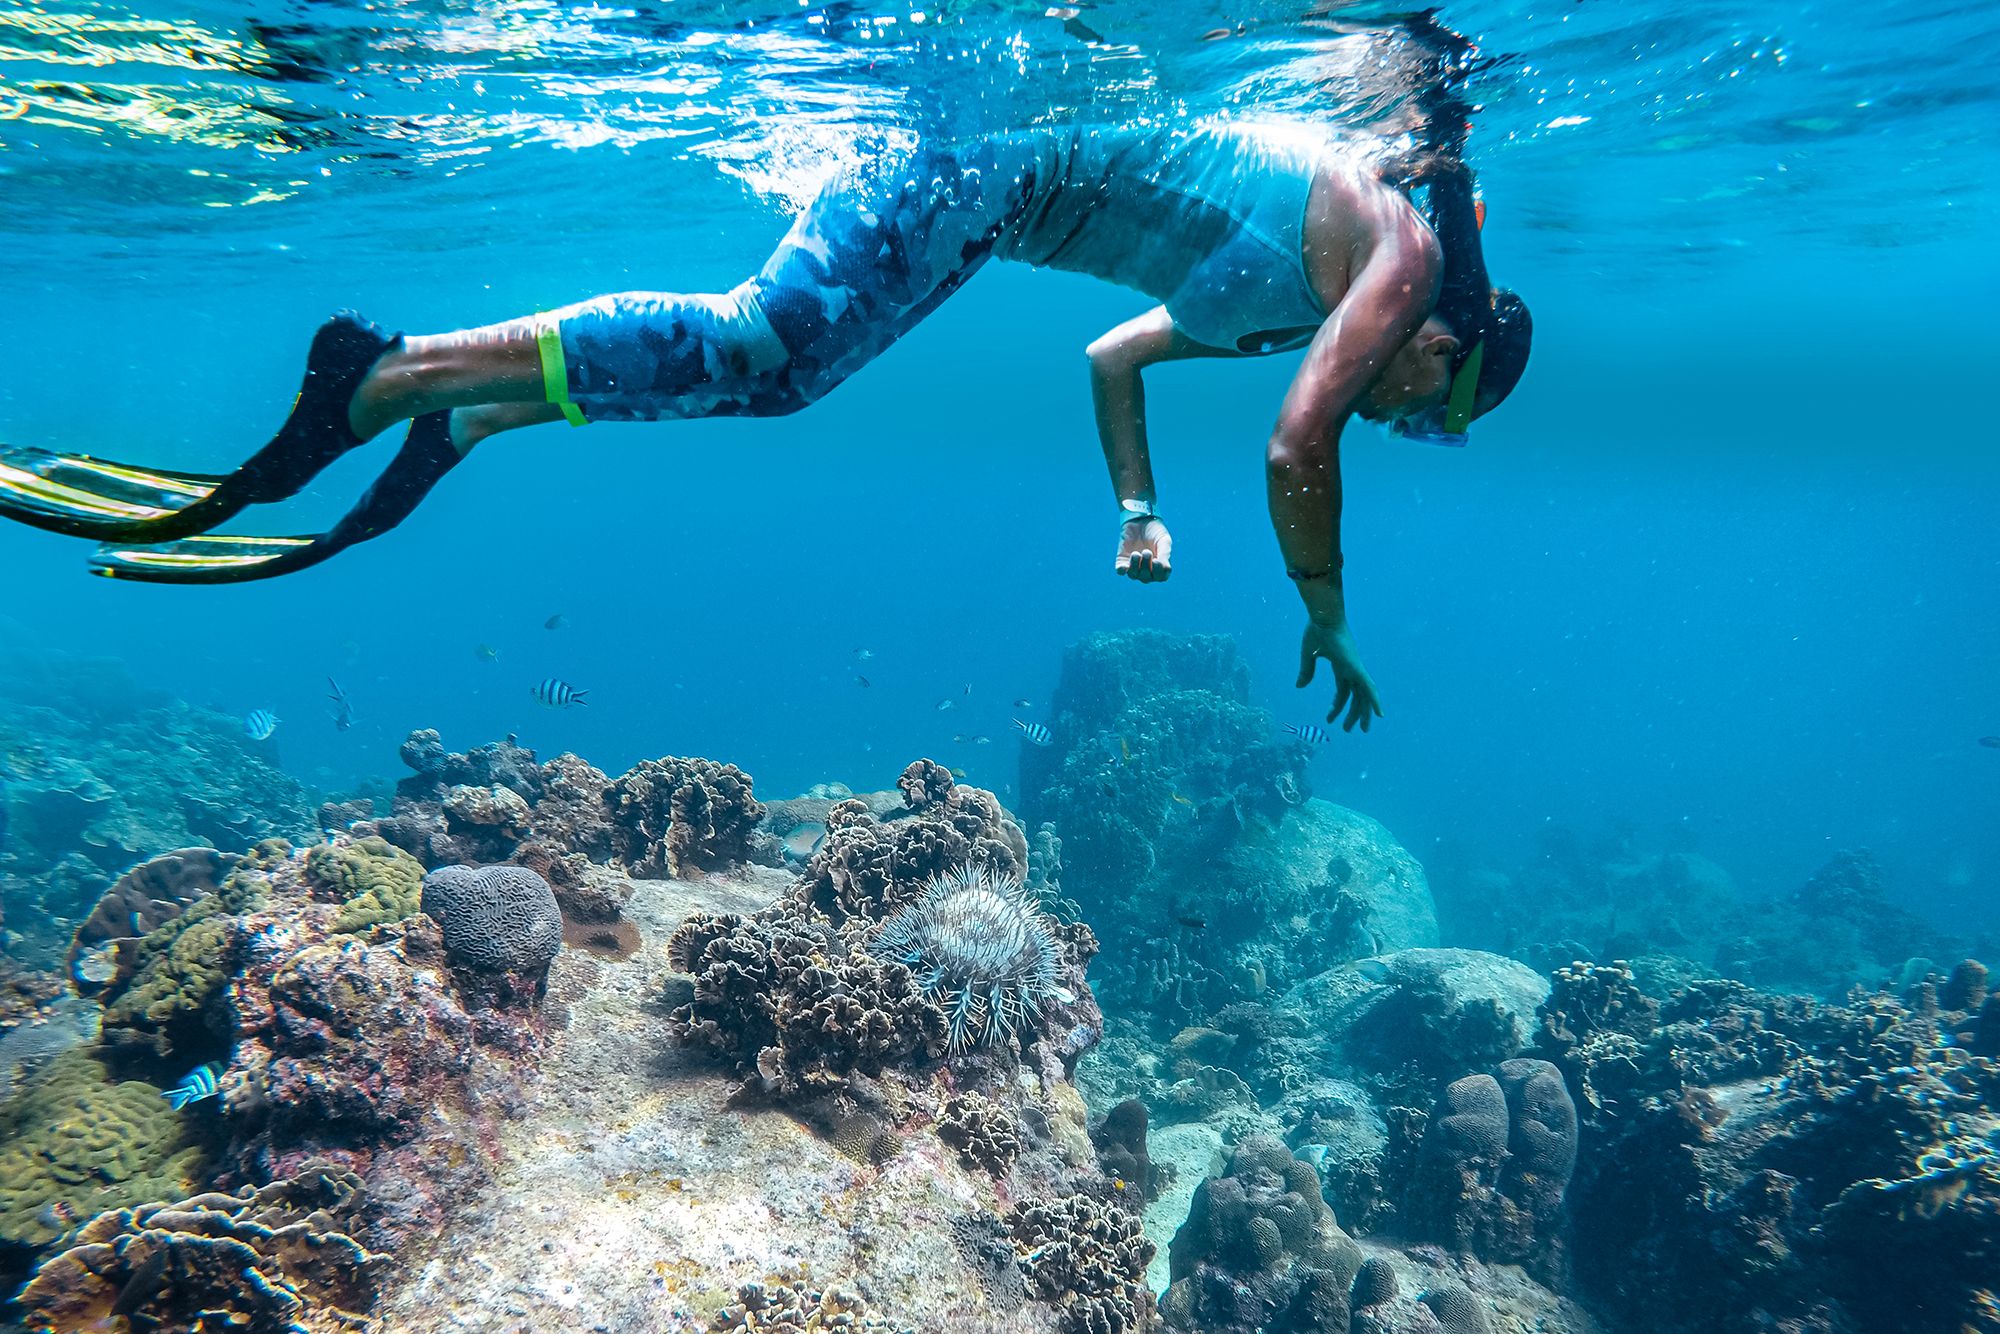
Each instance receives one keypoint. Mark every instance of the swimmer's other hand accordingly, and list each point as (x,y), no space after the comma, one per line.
(1145,551)
(1354,689)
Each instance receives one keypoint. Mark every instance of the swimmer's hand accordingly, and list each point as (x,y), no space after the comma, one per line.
(1354,689)
(1145,551)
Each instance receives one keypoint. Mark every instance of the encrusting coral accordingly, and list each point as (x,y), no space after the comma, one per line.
(73,1143)
(271,1259)
(983,1131)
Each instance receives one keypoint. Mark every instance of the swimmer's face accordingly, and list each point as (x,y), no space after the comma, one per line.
(1417,376)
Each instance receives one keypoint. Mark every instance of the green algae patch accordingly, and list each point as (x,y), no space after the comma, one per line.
(76,1143)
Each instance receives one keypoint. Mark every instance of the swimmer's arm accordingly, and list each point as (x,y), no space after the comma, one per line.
(1120,398)
(1383,309)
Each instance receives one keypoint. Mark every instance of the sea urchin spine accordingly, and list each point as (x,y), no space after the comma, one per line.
(982,949)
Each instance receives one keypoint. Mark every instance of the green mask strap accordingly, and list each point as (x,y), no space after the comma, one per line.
(1464,391)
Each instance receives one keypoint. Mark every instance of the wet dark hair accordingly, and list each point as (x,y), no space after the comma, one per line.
(1476,311)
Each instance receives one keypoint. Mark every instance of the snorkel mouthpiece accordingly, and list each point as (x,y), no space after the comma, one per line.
(1446,425)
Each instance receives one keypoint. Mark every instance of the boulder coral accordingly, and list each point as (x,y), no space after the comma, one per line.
(270,1259)
(1496,1160)
(77,1142)
(1260,1250)
(501,924)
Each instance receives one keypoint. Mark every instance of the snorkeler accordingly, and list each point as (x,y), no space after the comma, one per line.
(1255,238)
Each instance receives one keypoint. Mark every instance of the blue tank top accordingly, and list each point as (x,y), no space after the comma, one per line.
(1209,221)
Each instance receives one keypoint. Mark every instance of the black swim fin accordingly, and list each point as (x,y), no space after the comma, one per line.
(85,497)
(114,502)
(213,558)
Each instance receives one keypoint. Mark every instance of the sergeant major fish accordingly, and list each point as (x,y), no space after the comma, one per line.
(200,1083)
(1037,733)
(557,694)
(258,724)
(1309,734)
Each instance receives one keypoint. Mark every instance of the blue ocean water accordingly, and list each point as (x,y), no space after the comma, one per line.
(1723,569)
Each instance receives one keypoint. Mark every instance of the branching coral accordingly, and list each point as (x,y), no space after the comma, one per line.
(979,947)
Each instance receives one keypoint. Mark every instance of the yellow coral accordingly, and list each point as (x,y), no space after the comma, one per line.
(375,881)
(76,1144)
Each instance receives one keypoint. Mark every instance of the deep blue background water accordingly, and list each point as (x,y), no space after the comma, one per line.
(1726,562)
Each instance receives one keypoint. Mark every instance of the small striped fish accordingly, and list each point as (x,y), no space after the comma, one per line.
(557,694)
(258,724)
(199,1084)
(1037,733)
(1309,734)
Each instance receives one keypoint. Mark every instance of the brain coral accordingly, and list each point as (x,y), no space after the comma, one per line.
(373,880)
(76,1139)
(496,919)
(980,947)
(267,1259)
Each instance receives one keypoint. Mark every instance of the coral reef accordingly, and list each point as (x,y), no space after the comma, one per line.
(73,1142)
(983,1131)
(1779,1161)
(1120,1141)
(1088,1260)
(1260,1250)
(802,994)
(1187,833)
(794,1306)
(1603,899)
(106,774)
(269,1259)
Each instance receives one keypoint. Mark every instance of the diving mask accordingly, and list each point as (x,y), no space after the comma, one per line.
(1445,423)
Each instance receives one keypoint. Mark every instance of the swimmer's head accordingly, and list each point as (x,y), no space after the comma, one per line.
(1445,378)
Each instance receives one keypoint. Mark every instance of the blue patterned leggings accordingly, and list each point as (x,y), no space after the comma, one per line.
(876,251)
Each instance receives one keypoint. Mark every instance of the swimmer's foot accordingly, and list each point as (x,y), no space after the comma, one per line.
(428,453)
(88,497)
